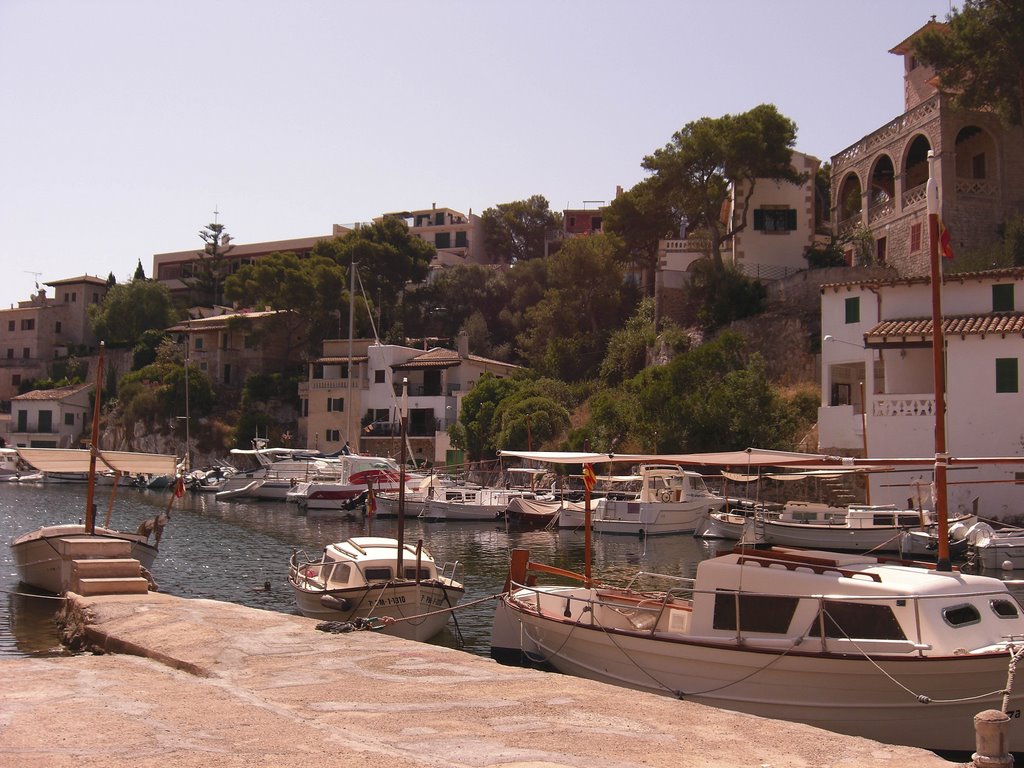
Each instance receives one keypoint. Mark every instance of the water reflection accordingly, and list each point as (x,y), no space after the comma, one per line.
(229,550)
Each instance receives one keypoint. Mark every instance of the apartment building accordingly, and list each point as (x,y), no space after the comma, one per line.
(230,346)
(878,392)
(44,329)
(458,237)
(51,418)
(878,183)
(364,410)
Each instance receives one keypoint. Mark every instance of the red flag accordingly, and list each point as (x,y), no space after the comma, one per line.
(371,501)
(179,487)
(945,247)
(589,478)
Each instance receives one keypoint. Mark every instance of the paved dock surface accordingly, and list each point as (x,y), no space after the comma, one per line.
(203,683)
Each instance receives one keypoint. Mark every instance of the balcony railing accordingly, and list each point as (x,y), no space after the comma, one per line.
(914,196)
(906,405)
(976,187)
(881,211)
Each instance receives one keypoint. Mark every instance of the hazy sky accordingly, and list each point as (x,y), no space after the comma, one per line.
(126,123)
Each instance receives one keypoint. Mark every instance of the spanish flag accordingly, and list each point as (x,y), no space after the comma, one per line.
(589,478)
(371,501)
(945,246)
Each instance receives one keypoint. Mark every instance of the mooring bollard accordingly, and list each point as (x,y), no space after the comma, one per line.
(990,736)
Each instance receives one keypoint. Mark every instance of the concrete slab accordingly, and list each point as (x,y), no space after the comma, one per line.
(210,683)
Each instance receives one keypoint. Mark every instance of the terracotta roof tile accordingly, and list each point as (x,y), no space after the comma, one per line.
(920,329)
(52,394)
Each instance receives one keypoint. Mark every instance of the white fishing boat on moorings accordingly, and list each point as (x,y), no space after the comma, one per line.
(853,528)
(461,503)
(898,654)
(369,577)
(671,500)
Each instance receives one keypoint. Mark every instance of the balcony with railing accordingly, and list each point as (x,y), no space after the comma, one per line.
(914,196)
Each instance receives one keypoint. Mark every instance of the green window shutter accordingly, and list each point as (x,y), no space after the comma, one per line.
(791,220)
(1006,374)
(853,310)
(1002,297)
(758,219)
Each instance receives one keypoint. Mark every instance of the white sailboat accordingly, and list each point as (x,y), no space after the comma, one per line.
(898,654)
(85,557)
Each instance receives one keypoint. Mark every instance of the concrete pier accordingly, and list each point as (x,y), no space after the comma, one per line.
(203,683)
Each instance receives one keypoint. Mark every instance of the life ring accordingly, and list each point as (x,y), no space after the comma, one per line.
(665,494)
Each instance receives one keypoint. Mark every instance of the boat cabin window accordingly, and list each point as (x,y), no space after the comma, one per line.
(337,574)
(378,574)
(410,573)
(1004,609)
(961,615)
(862,620)
(757,613)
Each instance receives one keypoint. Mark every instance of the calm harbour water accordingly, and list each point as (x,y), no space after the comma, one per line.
(227,550)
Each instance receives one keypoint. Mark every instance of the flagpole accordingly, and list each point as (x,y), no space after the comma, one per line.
(938,370)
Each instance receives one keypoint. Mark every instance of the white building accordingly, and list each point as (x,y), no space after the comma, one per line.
(878,393)
(51,418)
(364,411)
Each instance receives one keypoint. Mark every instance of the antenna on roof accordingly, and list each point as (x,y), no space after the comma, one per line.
(37,274)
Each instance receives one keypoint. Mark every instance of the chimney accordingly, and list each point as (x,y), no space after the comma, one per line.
(462,340)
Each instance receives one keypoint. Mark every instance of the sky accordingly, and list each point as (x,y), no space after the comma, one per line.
(126,126)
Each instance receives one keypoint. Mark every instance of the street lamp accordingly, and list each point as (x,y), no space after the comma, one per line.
(829,338)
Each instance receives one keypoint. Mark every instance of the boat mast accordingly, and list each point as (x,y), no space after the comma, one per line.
(403,416)
(351,326)
(939,371)
(90,509)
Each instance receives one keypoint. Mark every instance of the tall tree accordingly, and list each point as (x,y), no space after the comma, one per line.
(567,330)
(387,257)
(130,309)
(140,273)
(311,292)
(696,170)
(979,56)
(517,231)
(640,218)
(210,271)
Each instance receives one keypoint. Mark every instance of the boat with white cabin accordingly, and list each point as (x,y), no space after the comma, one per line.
(277,471)
(898,654)
(671,500)
(461,503)
(367,577)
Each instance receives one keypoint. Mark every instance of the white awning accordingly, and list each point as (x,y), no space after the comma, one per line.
(77,460)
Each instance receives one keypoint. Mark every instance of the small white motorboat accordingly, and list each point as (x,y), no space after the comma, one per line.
(371,578)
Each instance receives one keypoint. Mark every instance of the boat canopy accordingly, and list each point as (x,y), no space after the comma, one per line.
(748,457)
(77,460)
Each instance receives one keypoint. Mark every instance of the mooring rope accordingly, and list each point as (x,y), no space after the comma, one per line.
(382,622)
(923,698)
(31,594)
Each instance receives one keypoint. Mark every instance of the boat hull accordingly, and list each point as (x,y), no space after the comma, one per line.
(845,693)
(420,610)
(43,560)
(639,518)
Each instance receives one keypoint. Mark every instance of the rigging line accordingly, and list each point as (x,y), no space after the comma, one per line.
(684,694)
(541,659)
(451,610)
(1015,654)
(920,697)
(29,594)
(388,371)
